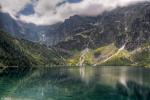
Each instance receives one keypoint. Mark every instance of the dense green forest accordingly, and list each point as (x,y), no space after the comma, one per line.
(19,52)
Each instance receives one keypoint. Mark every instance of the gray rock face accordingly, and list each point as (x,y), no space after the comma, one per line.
(24,30)
(130,25)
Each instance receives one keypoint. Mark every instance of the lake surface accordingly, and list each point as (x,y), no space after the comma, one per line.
(86,83)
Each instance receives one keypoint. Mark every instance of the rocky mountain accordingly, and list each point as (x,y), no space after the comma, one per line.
(122,24)
(102,38)
(45,34)
(120,20)
(117,37)
(28,31)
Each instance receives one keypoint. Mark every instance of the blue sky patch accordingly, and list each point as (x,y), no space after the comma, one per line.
(73,1)
(27,10)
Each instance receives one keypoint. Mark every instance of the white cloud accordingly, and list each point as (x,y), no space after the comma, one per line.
(13,6)
(48,11)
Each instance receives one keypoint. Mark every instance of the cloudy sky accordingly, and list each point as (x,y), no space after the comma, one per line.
(48,12)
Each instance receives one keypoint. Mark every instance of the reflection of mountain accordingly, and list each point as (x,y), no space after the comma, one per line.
(133,90)
(84,83)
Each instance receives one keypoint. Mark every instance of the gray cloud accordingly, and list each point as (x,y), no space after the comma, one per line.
(53,11)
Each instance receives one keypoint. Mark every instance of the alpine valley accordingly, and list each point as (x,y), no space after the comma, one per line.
(120,37)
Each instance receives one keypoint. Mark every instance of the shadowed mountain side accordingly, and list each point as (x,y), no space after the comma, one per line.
(22,53)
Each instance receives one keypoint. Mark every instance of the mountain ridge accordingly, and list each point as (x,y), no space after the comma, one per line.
(117,37)
(129,26)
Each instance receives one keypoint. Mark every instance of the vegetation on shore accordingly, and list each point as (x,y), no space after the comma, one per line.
(22,53)
(107,56)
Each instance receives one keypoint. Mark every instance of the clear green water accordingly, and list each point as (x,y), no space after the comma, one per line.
(86,83)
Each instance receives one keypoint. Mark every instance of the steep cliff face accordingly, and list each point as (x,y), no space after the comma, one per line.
(128,27)
(119,25)
(28,31)
(122,25)
(7,23)
(118,37)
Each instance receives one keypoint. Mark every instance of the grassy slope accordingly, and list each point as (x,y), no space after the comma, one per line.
(96,56)
(17,52)
(142,57)
(124,57)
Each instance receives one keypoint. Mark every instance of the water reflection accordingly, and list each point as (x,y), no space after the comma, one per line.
(85,83)
(85,74)
(133,90)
